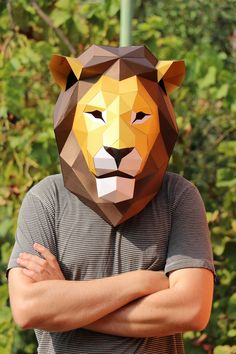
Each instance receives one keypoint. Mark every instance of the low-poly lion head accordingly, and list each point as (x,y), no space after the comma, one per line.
(115,126)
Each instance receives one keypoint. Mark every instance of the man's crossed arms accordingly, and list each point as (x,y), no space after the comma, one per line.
(141,303)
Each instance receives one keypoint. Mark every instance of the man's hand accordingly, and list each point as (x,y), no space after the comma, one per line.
(39,269)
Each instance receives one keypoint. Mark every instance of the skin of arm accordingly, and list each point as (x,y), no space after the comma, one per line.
(61,305)
(184,306)
(180,304)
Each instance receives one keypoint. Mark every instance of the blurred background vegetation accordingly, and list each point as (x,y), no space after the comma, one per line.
(204,34)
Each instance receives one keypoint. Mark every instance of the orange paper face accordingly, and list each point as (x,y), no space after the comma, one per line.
(128,119)
(115,126)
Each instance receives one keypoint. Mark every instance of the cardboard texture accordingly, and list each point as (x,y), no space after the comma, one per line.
(115,126)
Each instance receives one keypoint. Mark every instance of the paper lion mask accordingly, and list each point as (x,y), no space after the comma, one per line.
(115,126)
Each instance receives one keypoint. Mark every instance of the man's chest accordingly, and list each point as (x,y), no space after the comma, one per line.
(89,248)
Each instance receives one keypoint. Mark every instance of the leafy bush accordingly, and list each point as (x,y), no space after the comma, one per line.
(201,32)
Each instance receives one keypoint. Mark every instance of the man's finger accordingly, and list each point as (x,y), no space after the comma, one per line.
(31,257)
(30,274)
(31,265)
(45,253)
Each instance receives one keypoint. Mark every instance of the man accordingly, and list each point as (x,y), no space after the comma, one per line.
(115,256)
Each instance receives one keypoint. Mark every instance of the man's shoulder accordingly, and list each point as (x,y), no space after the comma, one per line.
(47,185)
(176,182)
(50,190)
(175,187)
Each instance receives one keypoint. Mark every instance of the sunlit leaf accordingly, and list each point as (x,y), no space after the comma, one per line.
(209,79)
(60,16)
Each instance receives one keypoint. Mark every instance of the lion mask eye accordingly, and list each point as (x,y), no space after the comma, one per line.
(98,115)
(139,117)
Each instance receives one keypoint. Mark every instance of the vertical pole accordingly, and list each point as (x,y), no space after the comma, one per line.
(126,14)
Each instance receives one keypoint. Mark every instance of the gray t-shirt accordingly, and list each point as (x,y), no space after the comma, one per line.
(170,233)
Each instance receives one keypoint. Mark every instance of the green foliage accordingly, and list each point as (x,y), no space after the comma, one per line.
(201,32)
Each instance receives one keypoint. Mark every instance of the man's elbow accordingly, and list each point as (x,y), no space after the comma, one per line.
(25,308)
(23,314)
(198,320)
(23,296)
(23,322)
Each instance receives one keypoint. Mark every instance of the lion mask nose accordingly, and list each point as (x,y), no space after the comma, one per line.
(118,154)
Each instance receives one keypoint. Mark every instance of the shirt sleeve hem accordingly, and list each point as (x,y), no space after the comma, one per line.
(194,263)
(12,264)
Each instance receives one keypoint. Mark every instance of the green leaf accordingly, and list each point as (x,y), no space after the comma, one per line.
(114,8)
(59,17)
(63,4)
(222,91)
(16,64)
(232,333)
(6,249)
(5,227)
(209,79)
(232,307)
(228,148)
(5,315)
(225,183)
(233,107)
(225,349)
(3,295)
(3,111)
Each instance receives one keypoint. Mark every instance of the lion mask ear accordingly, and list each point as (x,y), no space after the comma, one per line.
(61,66)
(171,72)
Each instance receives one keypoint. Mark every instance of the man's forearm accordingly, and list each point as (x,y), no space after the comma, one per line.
(60,305)
(173,310)
(153,315)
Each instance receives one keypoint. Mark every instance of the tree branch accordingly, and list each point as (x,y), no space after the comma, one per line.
(224,135)
(9,9)
(13,29)
(50,23)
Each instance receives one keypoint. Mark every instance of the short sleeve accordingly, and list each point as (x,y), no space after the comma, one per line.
(189,242)
(35,224)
